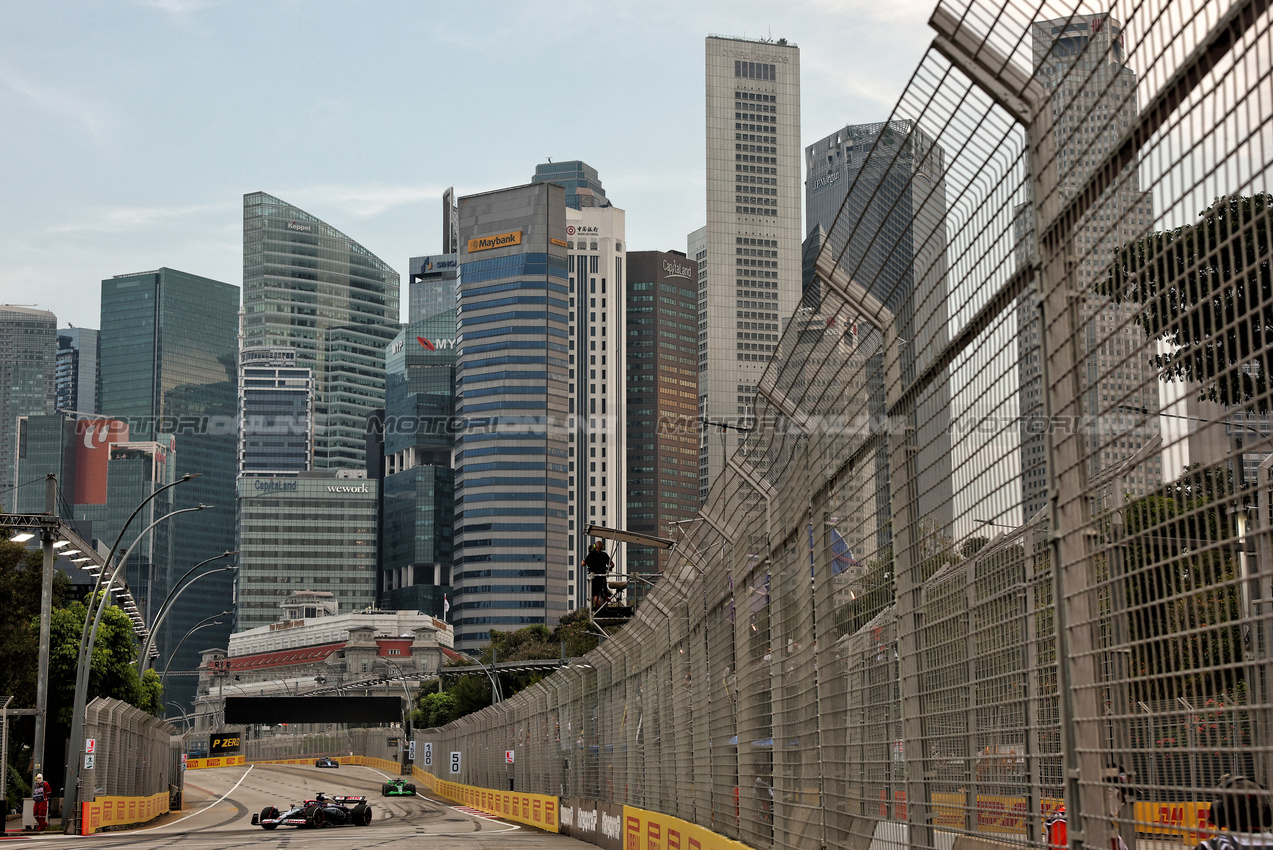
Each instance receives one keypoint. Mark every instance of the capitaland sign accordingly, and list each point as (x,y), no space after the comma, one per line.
(499,240)
(269,485)
(300,227)
(674,269)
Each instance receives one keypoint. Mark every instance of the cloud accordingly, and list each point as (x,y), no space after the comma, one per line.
(177,7)
(55,102)
(124,219)
(361,201)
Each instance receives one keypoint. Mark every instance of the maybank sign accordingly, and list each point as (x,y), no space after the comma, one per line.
(499,240)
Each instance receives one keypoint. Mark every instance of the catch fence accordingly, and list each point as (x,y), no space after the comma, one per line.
(999,535)
(134,753)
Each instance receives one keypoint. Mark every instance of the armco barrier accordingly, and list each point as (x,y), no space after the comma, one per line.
(107,812)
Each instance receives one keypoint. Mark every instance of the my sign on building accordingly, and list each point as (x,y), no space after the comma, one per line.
(222,744)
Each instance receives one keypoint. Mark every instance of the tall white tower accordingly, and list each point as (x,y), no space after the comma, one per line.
(753,231)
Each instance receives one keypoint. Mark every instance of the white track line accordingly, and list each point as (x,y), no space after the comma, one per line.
(213,803)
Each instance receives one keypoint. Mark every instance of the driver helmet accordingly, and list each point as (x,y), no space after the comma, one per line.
(322,798)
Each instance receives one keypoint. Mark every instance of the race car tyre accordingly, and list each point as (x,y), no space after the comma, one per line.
(315,816)
(410,788)
(361,815)
(384,790)
(268,813)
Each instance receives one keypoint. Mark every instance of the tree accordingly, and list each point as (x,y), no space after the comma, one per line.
(470,692)
(1206,290)
(112,669)
(1184,609)
(21,572)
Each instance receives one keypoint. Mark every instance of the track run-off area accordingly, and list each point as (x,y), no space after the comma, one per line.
(220,802)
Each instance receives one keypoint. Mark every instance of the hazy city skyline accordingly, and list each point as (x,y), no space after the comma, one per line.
(146,122)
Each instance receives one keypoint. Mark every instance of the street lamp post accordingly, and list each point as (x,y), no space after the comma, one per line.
(406,714)
(143,660)
(70,791)
(202,624)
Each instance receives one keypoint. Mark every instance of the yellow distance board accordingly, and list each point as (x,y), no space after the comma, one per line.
(499,240)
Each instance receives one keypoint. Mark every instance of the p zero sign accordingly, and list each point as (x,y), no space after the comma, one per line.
(222,744)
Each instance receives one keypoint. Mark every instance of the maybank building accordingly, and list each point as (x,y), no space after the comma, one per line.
(313,532)
(513,454)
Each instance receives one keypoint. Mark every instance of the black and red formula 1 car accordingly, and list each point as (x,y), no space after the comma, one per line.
(320,811)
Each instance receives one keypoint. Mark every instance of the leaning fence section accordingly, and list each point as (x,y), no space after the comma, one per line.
(999,539)
(133,754)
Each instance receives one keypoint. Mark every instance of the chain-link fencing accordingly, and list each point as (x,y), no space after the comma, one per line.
(999,537)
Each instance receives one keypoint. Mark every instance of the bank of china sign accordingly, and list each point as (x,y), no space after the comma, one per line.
(499,240)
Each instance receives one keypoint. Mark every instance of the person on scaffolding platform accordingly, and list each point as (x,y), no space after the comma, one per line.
(598,564)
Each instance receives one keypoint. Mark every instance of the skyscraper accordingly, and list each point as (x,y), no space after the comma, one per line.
(77,370)
(580,180)
(512,475)
(416,540)
(433,286)
(662,397)
(169,347)
(312,531)
(28,359)
(310,287)
(276,412)
(1081,61)
(753,228)
(890,177)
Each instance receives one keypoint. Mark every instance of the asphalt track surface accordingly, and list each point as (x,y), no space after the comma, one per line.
(220,802)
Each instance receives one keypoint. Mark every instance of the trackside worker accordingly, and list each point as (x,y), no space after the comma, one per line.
(40,793)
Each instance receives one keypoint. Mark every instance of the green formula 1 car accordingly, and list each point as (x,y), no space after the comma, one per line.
(398,788)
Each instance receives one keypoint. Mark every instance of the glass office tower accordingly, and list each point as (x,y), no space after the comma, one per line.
(77,370)
(310,287)
(276,405)
(28,356)
(512,457)
(892,176)
(416,541)
(169,348)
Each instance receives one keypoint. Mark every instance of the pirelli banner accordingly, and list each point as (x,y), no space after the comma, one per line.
(537,810)
(217,761)
(643,830)
(108,812)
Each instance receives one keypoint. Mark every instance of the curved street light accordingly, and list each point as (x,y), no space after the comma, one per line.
(87,637)
(406,710)
(202,624)
(143,660)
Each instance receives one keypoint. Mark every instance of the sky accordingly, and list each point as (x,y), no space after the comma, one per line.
(132,129)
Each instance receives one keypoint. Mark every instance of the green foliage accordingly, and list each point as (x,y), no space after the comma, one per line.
(466,693)
(112,669)
(1183,598)
(1206,290)
(17,788)
(21,572)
